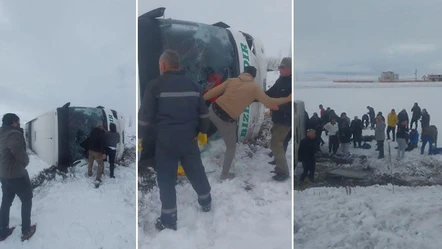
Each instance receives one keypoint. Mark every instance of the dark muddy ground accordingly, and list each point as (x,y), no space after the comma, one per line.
(363,165)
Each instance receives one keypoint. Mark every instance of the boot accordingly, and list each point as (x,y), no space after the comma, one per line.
(29,234)
(280,177)
(160,226)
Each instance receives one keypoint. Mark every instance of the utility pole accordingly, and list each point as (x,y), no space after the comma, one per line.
(415,75)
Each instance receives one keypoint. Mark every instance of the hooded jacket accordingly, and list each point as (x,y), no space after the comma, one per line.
(392,119)
(13,156)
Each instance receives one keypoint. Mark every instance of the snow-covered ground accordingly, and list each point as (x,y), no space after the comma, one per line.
(373,217)
(71,213)
(249,211)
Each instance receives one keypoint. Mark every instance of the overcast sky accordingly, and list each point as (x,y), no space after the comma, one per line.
(269,21)
(368,36)
(53,52)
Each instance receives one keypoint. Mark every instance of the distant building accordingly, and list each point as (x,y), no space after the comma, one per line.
(434,77)
(389,76)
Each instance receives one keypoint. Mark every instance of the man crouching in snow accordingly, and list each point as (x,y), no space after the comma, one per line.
(174,109)
(14,176)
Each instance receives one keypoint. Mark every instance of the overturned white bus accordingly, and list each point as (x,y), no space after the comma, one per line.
(55,136)
(210,54)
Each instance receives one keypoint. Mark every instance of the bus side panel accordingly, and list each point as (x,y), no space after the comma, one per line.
(299,126)
(64,154)
(44,139)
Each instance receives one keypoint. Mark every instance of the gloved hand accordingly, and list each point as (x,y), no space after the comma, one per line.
(181,171)
(202,139)
(140,144)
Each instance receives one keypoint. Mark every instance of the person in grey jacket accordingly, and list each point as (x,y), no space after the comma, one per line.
(14,177)
(112,139)
(379,134)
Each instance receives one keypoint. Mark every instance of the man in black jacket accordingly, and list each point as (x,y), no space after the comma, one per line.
(416,115)
(306,155)
(282,118)
(356,129)
(372,115)
(425,122)
(96,147)
(174,109)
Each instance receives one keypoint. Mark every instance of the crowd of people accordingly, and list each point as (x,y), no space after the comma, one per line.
(341,132)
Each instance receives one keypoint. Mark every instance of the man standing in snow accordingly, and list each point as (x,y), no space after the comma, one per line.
(416,110)
(402,137)
(331,129)
(425,122)
(356,129)
(96,147)
(322,110)
(371,114)
(392,121)
(344,137)
(306,155)
(14,177)
(174,109)
(379,134)
(236,95)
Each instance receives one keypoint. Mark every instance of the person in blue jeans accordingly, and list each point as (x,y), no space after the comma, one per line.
(429,135)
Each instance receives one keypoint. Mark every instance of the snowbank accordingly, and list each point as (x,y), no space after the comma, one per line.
(372,217)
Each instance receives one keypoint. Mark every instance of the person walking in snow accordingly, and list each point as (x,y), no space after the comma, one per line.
(112,138)
(392,121)
(401,138)
(97,152)
(379,134)
(14,177)
(416,110)
(306,155)
(372,115)
(429,135)
(425,122)
(332,129)
(174,109)
(356,129)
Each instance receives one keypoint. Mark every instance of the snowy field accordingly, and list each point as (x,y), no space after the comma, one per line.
(71,213)
(249,211)
(373,217)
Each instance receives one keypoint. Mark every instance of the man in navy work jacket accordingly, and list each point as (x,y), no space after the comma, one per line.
(175,113)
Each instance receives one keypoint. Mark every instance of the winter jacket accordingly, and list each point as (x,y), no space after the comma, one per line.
(379,132)
(282,88)
(173,104)
(314,124)
(343,120)
(112,139)
(332,129)
(345,134)
(392,119)
(382,117)
(402,116)
(402,132)
(97,140)
(430,131)
(322,112)
(306,150)
(365,118)
(356,127)
(425,120)
(371,112)
(416,110)
(13,156)
(414,137)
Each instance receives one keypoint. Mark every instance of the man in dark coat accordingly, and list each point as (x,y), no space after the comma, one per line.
(356,129)
(425,122)
(96,147)
(365,121)
(173,106)
(416,110)
(402,116)
(372,115)
(306,155)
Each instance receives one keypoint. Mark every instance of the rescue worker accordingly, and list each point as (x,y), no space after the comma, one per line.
(14,177)
(416,110)
(392,121)
(306,155)
(175,111)
(235,95)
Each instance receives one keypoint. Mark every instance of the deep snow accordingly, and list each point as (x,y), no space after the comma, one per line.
(373,217)
(250,211)
(71,213)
